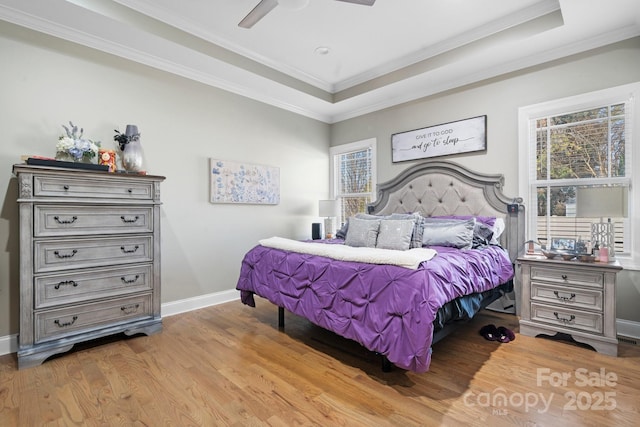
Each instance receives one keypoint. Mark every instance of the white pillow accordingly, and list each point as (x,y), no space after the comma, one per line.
(498,229)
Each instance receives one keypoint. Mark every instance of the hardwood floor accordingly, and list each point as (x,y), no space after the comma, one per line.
(229,365)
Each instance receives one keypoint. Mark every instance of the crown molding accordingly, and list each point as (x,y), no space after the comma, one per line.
(90,29)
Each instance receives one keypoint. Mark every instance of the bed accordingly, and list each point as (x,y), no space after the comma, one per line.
(399,311)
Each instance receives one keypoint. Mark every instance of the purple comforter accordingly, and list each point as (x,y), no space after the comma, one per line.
(387,309)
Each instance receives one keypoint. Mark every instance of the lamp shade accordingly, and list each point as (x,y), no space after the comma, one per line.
(594,202)
(328,208)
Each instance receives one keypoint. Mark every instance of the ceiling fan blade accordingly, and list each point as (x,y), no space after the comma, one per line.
(362,2)
(257,13)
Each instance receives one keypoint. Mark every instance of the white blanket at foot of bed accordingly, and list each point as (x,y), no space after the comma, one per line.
(411,258)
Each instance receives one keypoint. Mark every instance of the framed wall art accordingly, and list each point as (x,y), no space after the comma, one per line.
(240,182)
(462,136)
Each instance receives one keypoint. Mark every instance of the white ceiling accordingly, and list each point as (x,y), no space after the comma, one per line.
(379,56)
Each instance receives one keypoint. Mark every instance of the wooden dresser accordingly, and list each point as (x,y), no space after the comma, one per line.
(572,298)
(89,257)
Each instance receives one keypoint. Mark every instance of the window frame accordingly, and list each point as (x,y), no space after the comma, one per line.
(527,153)
(334,153)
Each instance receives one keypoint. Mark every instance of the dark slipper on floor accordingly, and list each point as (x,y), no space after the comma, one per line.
(489,332)
(505,335)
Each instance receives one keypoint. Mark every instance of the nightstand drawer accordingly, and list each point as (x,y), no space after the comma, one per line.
(54,220)
(56,255)
(567,318)
(57,323)
(567,296)
(579,277)
(69,288)
(109,187)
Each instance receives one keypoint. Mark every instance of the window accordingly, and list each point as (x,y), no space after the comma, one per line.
(572,144)
(353,176)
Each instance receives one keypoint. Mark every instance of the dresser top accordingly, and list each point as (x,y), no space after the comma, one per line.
(573,263)
(52,170)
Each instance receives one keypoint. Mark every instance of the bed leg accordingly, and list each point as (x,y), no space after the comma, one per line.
(386,365)
(280,317)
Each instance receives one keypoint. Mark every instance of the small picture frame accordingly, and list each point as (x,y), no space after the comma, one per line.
(563,244)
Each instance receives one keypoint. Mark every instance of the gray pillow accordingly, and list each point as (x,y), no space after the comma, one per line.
(446,232)
(395,234)
(370,216)
(362,232)
(418,227)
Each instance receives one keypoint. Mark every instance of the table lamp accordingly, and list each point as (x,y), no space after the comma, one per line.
(328,210)
(603,202)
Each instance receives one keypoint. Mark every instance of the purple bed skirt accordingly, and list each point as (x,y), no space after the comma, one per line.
(387,309)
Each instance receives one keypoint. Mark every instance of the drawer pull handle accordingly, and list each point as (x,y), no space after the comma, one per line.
(63,256)
(65,283)
(564,277)
(65,324)
(564,319)
(129,251)
(129,221)
(65,221)
(564,298)
(128,309)
(66,186)
(129,281)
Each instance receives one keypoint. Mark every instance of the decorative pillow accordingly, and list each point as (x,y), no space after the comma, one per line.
(416,236)
(482,234)
(395,234)
(498,229)
(362,232)
(342,233)
(488,220)
(496,224)
(369,216)
(447,232)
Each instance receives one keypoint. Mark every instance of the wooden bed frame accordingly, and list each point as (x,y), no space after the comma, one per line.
(439,188)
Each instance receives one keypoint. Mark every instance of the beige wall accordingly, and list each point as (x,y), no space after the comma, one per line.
(499,99)
(45,82)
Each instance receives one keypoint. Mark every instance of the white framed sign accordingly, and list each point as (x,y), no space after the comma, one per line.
(461,136)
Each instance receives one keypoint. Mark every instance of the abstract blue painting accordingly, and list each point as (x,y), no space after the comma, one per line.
(239,182)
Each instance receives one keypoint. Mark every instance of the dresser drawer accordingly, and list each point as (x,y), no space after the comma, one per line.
(567,276)
(567,318)
(109,187)
(57,323)
(59,289)
(56,220)
(567,296)
(55,255)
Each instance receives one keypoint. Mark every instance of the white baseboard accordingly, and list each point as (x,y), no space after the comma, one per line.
(627,328)
(195,303)
(9,343)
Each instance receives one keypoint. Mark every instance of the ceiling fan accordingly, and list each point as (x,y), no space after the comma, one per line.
(266,6)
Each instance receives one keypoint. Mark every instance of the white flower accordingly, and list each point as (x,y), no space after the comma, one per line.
(76,146)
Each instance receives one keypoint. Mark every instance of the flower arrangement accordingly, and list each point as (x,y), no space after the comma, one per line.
(74,147)
(131,134)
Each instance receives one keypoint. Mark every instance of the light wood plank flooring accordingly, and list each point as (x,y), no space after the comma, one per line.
(229,365)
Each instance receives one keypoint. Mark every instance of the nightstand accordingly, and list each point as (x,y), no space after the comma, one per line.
(572,298)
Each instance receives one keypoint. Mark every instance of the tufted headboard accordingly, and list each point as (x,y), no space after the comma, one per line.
(437,187)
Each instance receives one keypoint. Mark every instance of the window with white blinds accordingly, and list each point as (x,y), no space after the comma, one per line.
(353,176)
(577,143)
